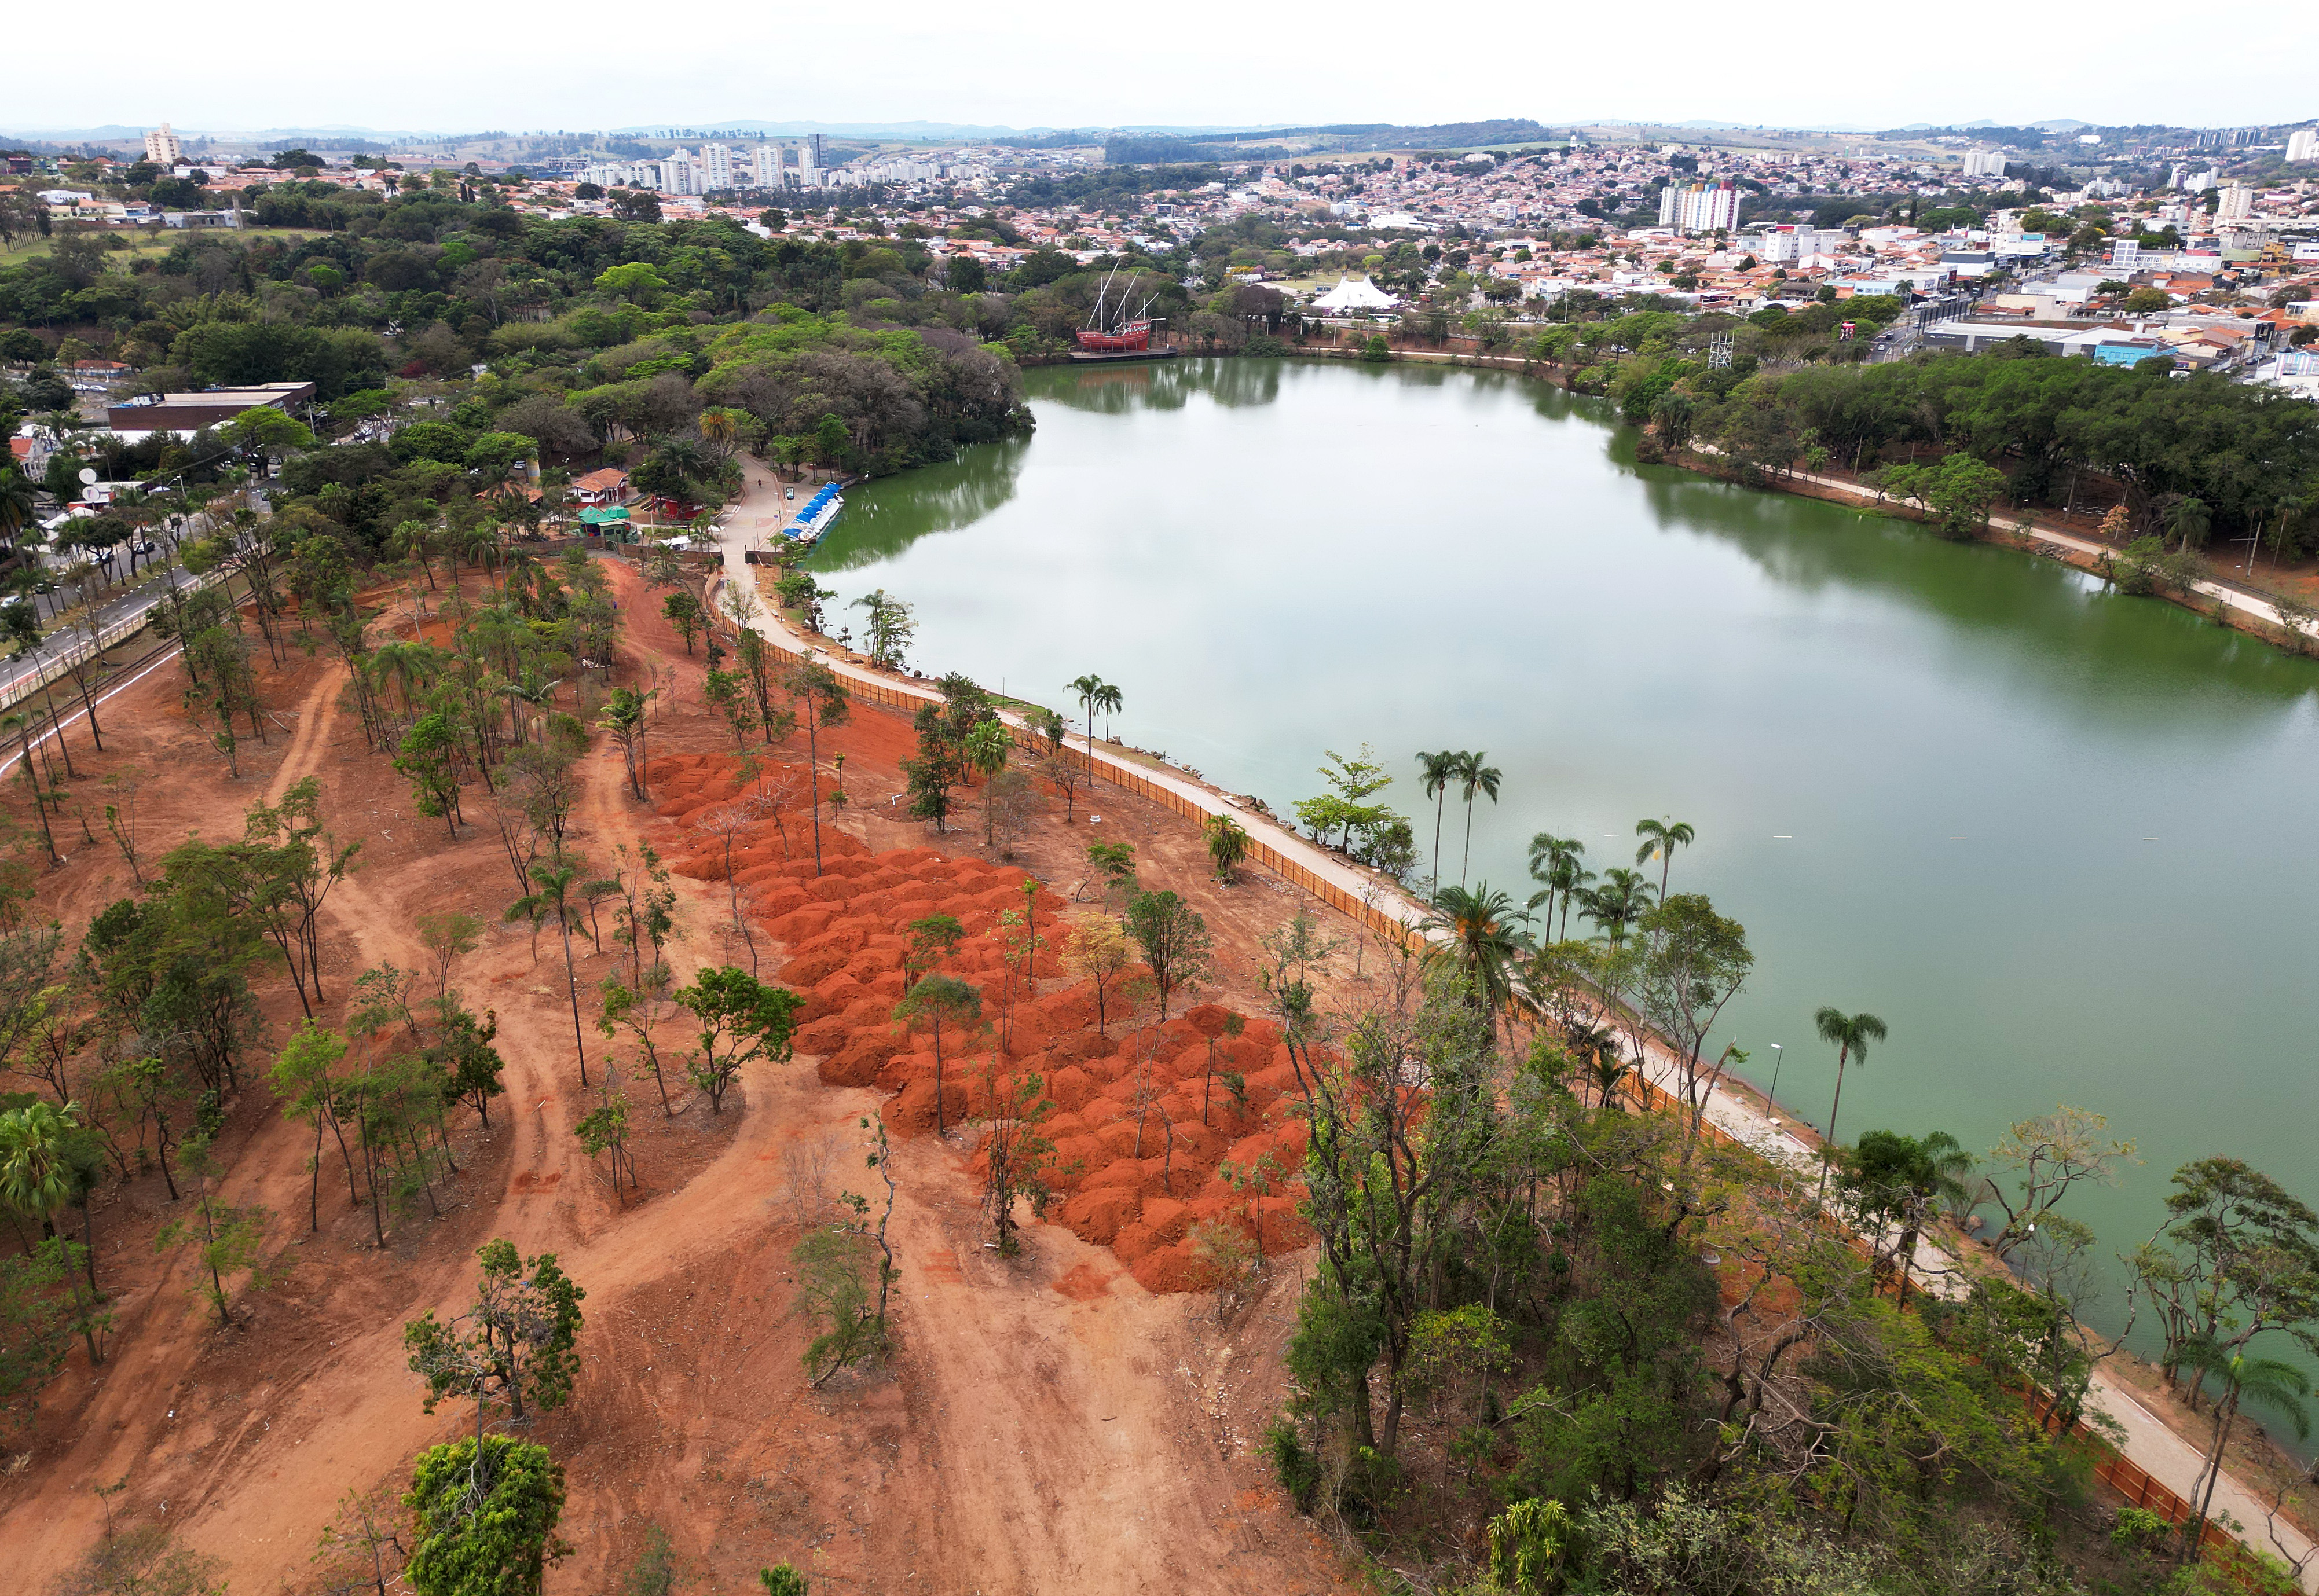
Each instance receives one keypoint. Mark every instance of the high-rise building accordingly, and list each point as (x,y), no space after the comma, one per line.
(162,149)
(2237,204)
(767,169)
(678,174)
(1700,208)
(810,164)
(716,167)
(2303,145)
(1984,163)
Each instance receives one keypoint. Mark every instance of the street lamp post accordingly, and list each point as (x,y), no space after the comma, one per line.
(1779,1057)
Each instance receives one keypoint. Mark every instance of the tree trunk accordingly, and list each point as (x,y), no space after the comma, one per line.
(571,986)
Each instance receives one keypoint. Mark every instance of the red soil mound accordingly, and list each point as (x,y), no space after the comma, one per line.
(1144,1120)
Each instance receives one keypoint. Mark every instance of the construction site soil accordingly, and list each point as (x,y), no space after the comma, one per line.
(1062,1420)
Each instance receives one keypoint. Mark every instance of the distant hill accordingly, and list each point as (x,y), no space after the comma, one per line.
(1174,148)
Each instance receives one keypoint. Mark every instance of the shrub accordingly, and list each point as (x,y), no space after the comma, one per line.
(2138,1529)
(1298,1469)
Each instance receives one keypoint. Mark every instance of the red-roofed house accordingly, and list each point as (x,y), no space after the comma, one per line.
(608,486)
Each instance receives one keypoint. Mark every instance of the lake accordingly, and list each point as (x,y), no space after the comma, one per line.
(2058,839)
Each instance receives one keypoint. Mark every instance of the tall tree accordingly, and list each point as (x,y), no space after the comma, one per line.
(1849,1035)
(552,898)
(1438,771)
(1661,837)
(1175,940)
(1088,689)
(987,747)
(821,700)
(940,1000)
(1476,778)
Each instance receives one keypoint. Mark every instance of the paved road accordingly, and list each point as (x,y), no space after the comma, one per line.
(121,607)
(2168,1459)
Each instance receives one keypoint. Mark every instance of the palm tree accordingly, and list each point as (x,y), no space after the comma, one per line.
(720,426)
(1438,771)
(1108,699)
(1662,837)
(1485,937)
(18,502)
(987,747)
(480,543)
(1227,844)
(1474,777)
(1089,688)
(555,898)
(40,1176)
(1597,1048)
(2189,521)
(36,1177)
(2265,1381)
(1554,864)
(1622,899)
(1850,1034)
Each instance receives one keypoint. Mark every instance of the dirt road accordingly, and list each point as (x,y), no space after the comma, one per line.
(1047,1425)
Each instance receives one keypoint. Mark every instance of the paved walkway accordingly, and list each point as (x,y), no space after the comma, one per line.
(2171,1460)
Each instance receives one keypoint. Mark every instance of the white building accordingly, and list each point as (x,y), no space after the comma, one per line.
(1700,208)
(808,168)
(2238,203)
(716,167)
(766,166)
(1984,163)
(679,172)
(1784,245)
(162,149)
(2303,145)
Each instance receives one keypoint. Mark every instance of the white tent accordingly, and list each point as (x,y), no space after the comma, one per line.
(1350,296)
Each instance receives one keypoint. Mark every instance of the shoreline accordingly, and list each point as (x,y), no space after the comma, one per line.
(2229,603)
(2162,1464)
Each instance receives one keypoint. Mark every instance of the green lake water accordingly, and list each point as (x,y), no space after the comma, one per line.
(2058,840)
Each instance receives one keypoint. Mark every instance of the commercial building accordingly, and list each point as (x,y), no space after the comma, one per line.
(187,413)
(162,149)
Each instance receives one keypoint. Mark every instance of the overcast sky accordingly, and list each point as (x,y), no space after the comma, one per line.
(450,67)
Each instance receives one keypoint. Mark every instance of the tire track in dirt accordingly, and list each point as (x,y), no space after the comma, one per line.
(318,716)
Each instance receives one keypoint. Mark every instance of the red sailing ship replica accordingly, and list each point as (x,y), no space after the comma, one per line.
(1114,331)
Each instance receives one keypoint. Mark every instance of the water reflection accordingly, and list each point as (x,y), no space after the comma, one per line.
(2025,621)
(882,519)
(1155,384)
